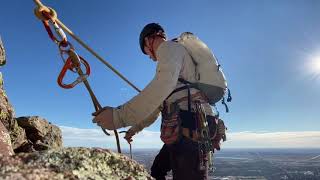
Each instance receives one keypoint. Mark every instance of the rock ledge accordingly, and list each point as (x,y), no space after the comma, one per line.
(71,163)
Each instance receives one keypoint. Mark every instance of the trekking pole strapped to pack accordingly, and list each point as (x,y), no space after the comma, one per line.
(73,62)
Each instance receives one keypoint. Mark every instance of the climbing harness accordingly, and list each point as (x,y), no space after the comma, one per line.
(73,62)
(207,131)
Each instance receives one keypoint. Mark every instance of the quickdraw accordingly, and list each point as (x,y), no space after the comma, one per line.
(73,62)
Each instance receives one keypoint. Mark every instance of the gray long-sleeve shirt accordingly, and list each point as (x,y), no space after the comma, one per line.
(142,110)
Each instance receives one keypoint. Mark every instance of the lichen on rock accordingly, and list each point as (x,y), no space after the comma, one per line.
(6,110)
(5,142)
(73,163)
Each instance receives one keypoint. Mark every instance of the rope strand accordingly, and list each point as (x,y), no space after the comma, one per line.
(95,54)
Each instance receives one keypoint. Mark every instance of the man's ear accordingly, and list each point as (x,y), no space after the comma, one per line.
(146,42)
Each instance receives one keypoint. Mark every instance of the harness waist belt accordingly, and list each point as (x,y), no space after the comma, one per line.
(172,107)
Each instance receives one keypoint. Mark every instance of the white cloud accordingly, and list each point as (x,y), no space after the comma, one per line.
(149,139)
(299,139)
(76,137)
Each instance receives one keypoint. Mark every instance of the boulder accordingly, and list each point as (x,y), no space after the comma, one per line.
(18,136)
(40,134)
(71,163)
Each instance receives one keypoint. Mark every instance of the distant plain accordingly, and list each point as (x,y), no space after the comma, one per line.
(255,163)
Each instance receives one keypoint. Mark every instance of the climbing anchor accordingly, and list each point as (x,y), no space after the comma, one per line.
(73,63)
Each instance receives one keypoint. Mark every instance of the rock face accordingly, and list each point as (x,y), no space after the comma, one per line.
(2,54)
(40,135)
(71,163)
(18,136)
(5,141)
(6,110)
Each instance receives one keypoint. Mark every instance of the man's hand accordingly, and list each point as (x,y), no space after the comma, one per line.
(129,135)
(104,118)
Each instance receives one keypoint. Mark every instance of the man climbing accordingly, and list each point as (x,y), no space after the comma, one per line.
(178,103)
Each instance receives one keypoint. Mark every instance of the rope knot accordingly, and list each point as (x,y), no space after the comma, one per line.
(45,13)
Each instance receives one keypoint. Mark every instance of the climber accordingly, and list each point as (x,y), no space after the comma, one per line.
(170,93)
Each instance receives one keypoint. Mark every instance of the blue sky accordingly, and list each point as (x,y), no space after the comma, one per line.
(269,50)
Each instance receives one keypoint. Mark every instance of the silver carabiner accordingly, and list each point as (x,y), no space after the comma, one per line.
(59,32)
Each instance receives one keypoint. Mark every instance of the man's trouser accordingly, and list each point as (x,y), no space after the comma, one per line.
(161,164)
(182,158)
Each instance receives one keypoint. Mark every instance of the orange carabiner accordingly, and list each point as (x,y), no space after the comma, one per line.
(70,65)
(50,20)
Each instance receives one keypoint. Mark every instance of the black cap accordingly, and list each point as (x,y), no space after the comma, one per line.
(148,30)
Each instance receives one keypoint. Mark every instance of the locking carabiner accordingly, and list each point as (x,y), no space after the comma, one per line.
(70,65)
